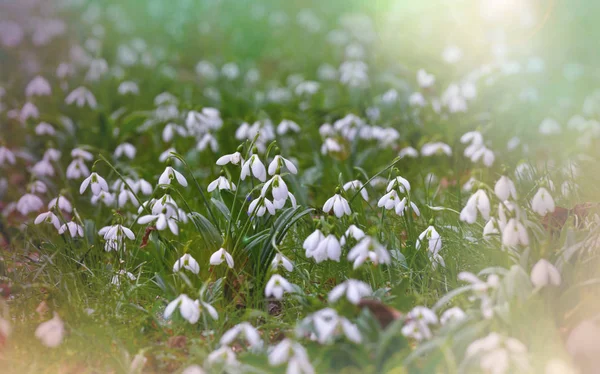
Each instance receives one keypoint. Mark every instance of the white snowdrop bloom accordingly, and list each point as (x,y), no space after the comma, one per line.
(163,221)
(294,354)
(80,97)
(404,206)
(43,168)
(189,309)
(73,228)
(142,186)
(222,183)
(98,67)
(452,54)
(279,189)
(207,70)
(389,200)
(416,99)
(223,355)
(193,369)
(169,174)
(187,262)
(51,332)
(170,130)
(398,182)
(97,184)
(116,232)
(29,203)
(452,315)
(307,88)
(352,232)
(328,248)
(278,162)
(354,73)
(514,233)
(497,354)
(490,228)
(207,140)
(312,242)
(44,128)
(62,203)
(390,96)
(81,153)
(29,110)
(408,152)
(327,324)
(479,201)
(544,273)
(37,187)
(230,70)
(126,195)
(434,240)
(473,137)
(330,145)
(542,203)
(52,154)
(278,204)
(77,169)
(38,86)
(221,256)
(326,130)
(260,206)
(126,149)
(354,290)
(357,185)
(106,198)
(550,126)
(505,189)
(286,126)
(7,157)
(48,217)
(128,88)
(338,204)
(245,330)
(424,79)
(281,260)
(430,149)
(253,166)
(369,249)
(116,279)
(234,159)
(277,286)
(484,154)
(417,323)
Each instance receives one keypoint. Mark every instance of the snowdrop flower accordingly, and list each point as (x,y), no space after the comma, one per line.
(29,203)
(106,198)
(51,332)
(542,203)
(116,232)
(353,289)
(482,290)
(222,183)
(44,128)
(416,99)
(352,232)
(433,237)
(544,273)
(280,259)
(514,233)
(389,200)
(234,159)
(368,249)
(128,87)
(338,205)
(81,96)
(43,168)
(401,183)
(260,206)
(279,188)
(479,201)
(402,206)
(221,256)
(496,353)
(62,203)
(490,228)
(277,286)
(312,242)
(430,149)
(187,262)
(328,248)
(29,110)
(163,220)
(294,354)
(96,183)
(188,308)
(126,149)
(169,174)
(38,187)
(550,126)
(408,152)
(278,162)
(452,315)
(505,188)
(330,145)
(48,217)
(327,324)
(253,166)
(357,185)
(74,229)
(424,79)
(223,355)
(38,86)
(7,157)
(418,321)
(77,169)
(249,332)
(286,126)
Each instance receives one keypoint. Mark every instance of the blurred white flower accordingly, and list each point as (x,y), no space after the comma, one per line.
(96,183)
(277,286)
(338,204)
(545,274)
(80,97)
(542,202)
(424,79)
(280,259)
(51,332)
(169,174)
(189,309)
(187,262)
(417,323)
(505,189)
(253,166)
(244,329)
(38,86)
(479,201)
(354,290)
